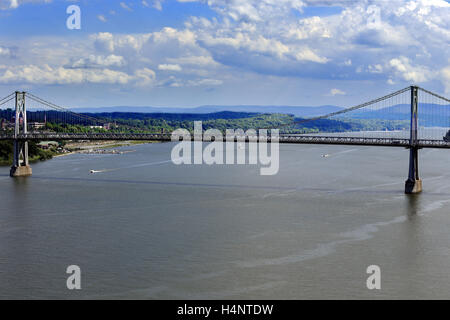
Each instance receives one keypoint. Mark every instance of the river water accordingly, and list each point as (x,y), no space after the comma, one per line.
(144,228)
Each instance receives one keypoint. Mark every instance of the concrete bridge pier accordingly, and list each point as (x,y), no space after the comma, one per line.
(20,166)
(414,183)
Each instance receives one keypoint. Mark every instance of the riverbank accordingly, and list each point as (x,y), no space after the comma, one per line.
(86,147)
(77,146)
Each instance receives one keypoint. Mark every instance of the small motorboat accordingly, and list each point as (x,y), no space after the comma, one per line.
(325,155)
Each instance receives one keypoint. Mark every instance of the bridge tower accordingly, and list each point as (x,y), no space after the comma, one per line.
(414,183)
(20,166)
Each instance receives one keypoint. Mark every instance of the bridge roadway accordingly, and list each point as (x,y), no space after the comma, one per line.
(283,138)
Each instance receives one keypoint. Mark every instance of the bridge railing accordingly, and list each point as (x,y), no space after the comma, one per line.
(283,138)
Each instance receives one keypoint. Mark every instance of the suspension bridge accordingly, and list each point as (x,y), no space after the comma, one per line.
(388,121)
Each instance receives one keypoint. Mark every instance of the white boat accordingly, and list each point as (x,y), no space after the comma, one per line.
(325,155)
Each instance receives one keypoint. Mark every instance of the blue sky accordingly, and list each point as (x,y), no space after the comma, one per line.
(185,53)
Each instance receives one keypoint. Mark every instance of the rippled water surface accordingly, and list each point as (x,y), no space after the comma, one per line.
(148,229)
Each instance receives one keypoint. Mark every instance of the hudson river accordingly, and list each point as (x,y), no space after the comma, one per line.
(144,228)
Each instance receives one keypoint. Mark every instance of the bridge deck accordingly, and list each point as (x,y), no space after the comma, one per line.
(283,138)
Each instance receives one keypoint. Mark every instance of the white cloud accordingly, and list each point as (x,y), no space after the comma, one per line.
(375,68)
(145,77)
(335,92)
(125,6)
(409,72)
(254,10)
(309,28)
(14,4)
(306,54)
(134,42)
(260,44)
(445,73)
(205,82)
(46,74)
(94,61)
(104,41)
(169,67)
(60,75)
(157,5)
(390,81)
(185,37)
(202,61)
(395,41)
(107,42)
(264,36)
(102,18)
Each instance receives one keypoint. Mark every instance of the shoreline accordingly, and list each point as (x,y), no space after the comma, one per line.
(98,146)
(90,148)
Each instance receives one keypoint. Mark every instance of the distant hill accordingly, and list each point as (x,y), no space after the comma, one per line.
(175,116)
(299,111)
(429,114)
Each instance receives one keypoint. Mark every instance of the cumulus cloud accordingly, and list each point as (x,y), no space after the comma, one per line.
(94,61)
(391,41)
(13,4)
(60,75)
(306,54)
(415,73)
(202,61)
(104,41)
(205,82)
(185,37)
(242,41)
(157,5)
(308,28)
(5,52)
(125,6)
(145,76)
(375,68)
(169,67)
(264,36)
(254,10)
(46,74)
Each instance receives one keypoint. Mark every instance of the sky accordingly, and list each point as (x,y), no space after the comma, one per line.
(187,53)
